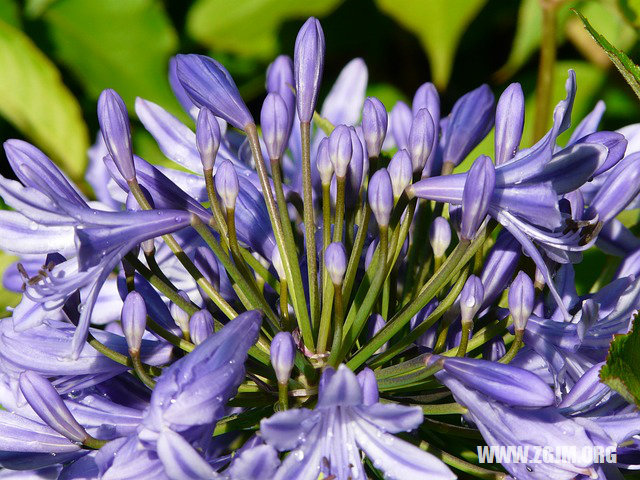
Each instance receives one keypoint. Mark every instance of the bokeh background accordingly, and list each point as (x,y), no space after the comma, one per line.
(56,56)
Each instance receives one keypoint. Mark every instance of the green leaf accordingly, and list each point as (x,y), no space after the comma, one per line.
(34,99)
(631,11)
(439,24)
(248,28)
(7,298)
(621,370)
(629,70)
(114,44)
(10,13)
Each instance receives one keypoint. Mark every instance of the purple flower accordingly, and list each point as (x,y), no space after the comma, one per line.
(509,123)
(476,195)
(374,125)
(327,440)
(114,123)
(283,352)
(308,65)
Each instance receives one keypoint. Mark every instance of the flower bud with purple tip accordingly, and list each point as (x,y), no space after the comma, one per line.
(47,403)
(369,385)
(227,187)
(509,123)
(308,62)
(478,189)
(116,131)
(210,85)
(421,137)
(201,326)
(471,298)
(178,314)
(207,137)
(276,125)
(283,353)
(324,163)
(280,80)
(401,172)
(521,298)
(340,150)
(134,320)
(335,261)
(439,236)
(380,196)
(374,125)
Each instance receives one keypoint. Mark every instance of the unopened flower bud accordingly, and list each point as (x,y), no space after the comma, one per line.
(439,236)
(427,97)
(207,137)
(210,85)
(227,187)
(308,60)
(180,316)
(374,325)
(116,131)
(323,162)
(478,189)
(47,403)
(280,79)
(283,353)
(421,137)
(380,196)
(340,150)
(369,385)
(276,125)
(521,297)
(134,320)
(589,314)
(494,349)
(276,260)
(471,298)
(201,326)
(335,260)
(509,123)
(400,123)
(401,172)
(374,125)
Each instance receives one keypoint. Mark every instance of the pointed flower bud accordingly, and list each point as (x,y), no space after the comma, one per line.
(400,123)
(374,125)
(509,123)
(323,162)
(280,80)
(134,320)
(180,316)
(471,298)
(369,385)
(283,353)
(207,137)
(335,260)
(469,122)
(589,315)
(478,189)
(401,172)
(308,61)
(201,326)
(276,260)
(381,196)
(427,97)
(50,407)
(439,236)
(227,186)
(421,137)
(276,125)
(210,85)
(521,297)
(374,325)
(340,150)
(116,131)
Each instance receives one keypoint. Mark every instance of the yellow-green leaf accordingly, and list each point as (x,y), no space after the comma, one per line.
(621,370)
(439,24)
(34,99)
(248,28)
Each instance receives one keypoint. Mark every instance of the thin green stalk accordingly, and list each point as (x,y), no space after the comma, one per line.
(326,226)
(155,268)
(546,66)
(338,319)
(325,317)
(235,252)
(140,371)
(338,224)
(356,253)
(462,465)
(443,409)
(464,339)
(93,443)
(516,345)
(216,210)
(118,357)
(482,336)
(181,343)
(283,395)
(309,222)
(288,258)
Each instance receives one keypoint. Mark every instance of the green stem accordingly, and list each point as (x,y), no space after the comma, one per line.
(118,357)
(338,320)
(216,210)
(283,395)
(93,443)
(464,339)
(326,227)
(515,346)
(338,224)
(181,343)
(544,88)
(462,465)
(356,253)
(310,223)
(139,369)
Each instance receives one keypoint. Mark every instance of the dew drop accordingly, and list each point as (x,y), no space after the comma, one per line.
(33,226)
(299,455)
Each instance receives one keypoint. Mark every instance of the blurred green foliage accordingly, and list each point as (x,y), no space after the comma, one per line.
(57,55)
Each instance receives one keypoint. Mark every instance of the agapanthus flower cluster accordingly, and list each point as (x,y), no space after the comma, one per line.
(320,294)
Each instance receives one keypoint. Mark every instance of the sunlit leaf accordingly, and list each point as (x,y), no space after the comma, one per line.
(34,99)
(248,28)
(439,24)
(124,45)
(629,70)
(10,13)
(621,370)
